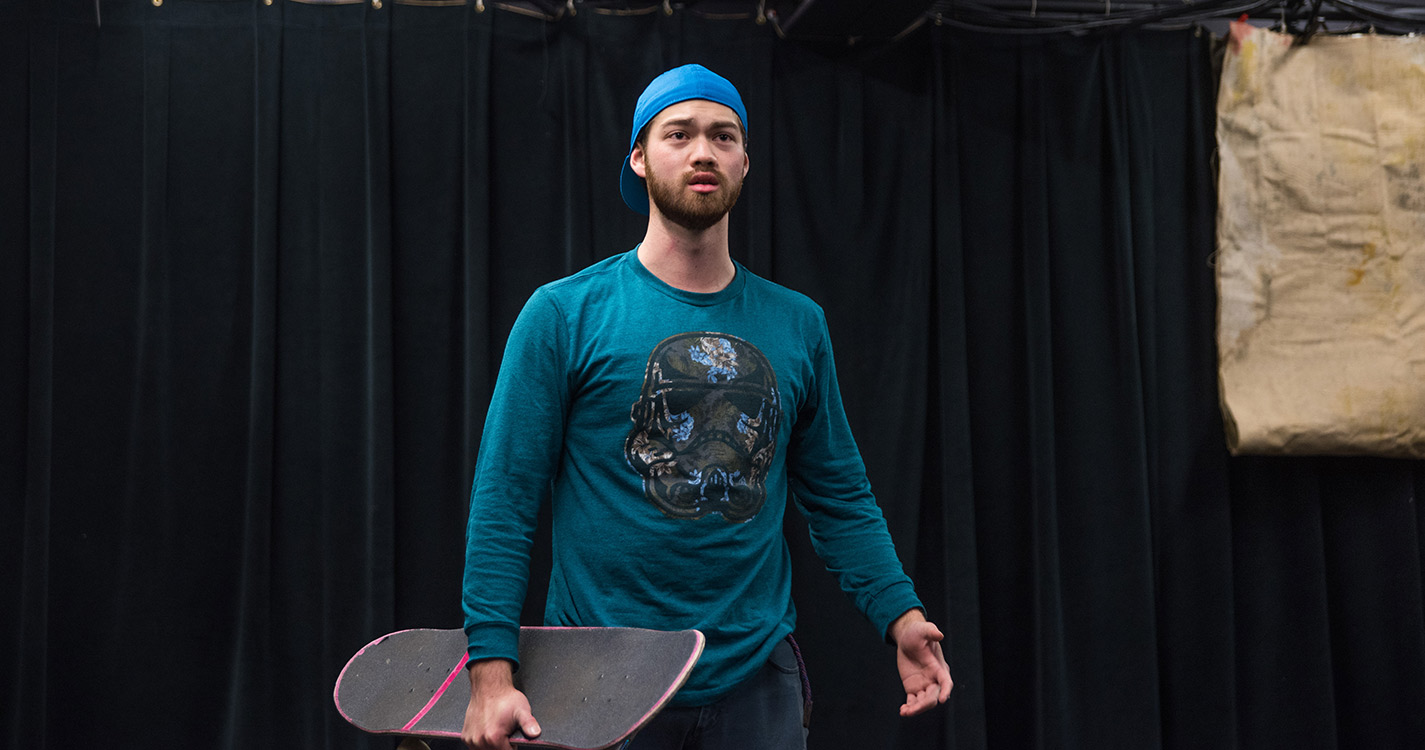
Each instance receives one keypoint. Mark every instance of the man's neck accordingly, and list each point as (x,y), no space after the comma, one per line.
(687,260)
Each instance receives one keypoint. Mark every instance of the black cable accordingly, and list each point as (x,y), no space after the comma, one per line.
(994,20)
(1311,24)
(1394,19)
(1054,17)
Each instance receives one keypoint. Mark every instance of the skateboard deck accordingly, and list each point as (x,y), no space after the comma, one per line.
(589,688)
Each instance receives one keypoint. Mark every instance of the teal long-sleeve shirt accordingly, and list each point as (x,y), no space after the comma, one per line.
(668,429)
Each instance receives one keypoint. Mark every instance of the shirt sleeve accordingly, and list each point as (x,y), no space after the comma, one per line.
(519,454)
(828,480)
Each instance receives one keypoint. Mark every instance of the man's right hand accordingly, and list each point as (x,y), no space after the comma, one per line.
(496,708)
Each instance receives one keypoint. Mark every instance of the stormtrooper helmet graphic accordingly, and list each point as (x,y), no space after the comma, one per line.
(705,427)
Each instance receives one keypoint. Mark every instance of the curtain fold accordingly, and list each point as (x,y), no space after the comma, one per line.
(1190,501)
(258,263)
(247,673)
(27,76)
(946,566)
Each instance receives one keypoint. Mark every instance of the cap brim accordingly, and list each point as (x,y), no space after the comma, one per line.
(631,187)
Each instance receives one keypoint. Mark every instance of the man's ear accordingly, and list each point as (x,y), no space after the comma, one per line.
(636,163)
(746,163)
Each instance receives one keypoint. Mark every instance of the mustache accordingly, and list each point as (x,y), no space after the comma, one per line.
(704,175)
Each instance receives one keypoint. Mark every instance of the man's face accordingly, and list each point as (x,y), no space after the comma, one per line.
(693,160)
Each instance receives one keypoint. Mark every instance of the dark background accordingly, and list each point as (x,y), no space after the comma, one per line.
(257,264)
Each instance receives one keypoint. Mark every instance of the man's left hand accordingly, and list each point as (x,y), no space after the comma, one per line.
(924,673)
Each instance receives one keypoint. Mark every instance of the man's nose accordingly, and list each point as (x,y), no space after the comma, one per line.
(703,150)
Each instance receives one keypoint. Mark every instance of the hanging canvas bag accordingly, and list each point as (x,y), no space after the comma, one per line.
(1321,244)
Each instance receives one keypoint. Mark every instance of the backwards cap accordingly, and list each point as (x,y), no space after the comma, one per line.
(677,85)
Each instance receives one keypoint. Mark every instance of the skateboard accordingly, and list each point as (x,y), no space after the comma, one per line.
(589,688)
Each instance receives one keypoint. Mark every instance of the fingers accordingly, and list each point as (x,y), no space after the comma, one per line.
(528,726)
(924,700)
(482,743)
(487,742)
(923,643)
(490,727)
(924,672)
(946,684)
(935,693)
(926,631)
(941,676)
(493,739)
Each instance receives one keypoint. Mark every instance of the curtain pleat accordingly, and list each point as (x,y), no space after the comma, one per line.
(948,558)
(27,278)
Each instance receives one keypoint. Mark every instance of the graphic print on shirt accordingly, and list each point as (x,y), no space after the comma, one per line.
(705,427)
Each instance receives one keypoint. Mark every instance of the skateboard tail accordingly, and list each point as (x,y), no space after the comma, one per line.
(362,725)
(336,689)
(464,659)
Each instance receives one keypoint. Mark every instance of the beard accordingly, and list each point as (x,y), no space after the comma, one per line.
(692,211)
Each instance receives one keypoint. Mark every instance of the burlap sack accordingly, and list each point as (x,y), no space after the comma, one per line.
(1321,244)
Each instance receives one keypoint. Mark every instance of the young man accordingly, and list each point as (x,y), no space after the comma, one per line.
(670,402)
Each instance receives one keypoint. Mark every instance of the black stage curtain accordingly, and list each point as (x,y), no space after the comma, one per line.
(257,263)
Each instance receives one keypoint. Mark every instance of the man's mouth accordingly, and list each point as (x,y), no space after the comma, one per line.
(703,182)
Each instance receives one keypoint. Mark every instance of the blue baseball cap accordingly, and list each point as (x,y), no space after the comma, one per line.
(677,85)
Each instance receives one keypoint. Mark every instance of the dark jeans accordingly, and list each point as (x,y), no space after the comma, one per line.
(764,713)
